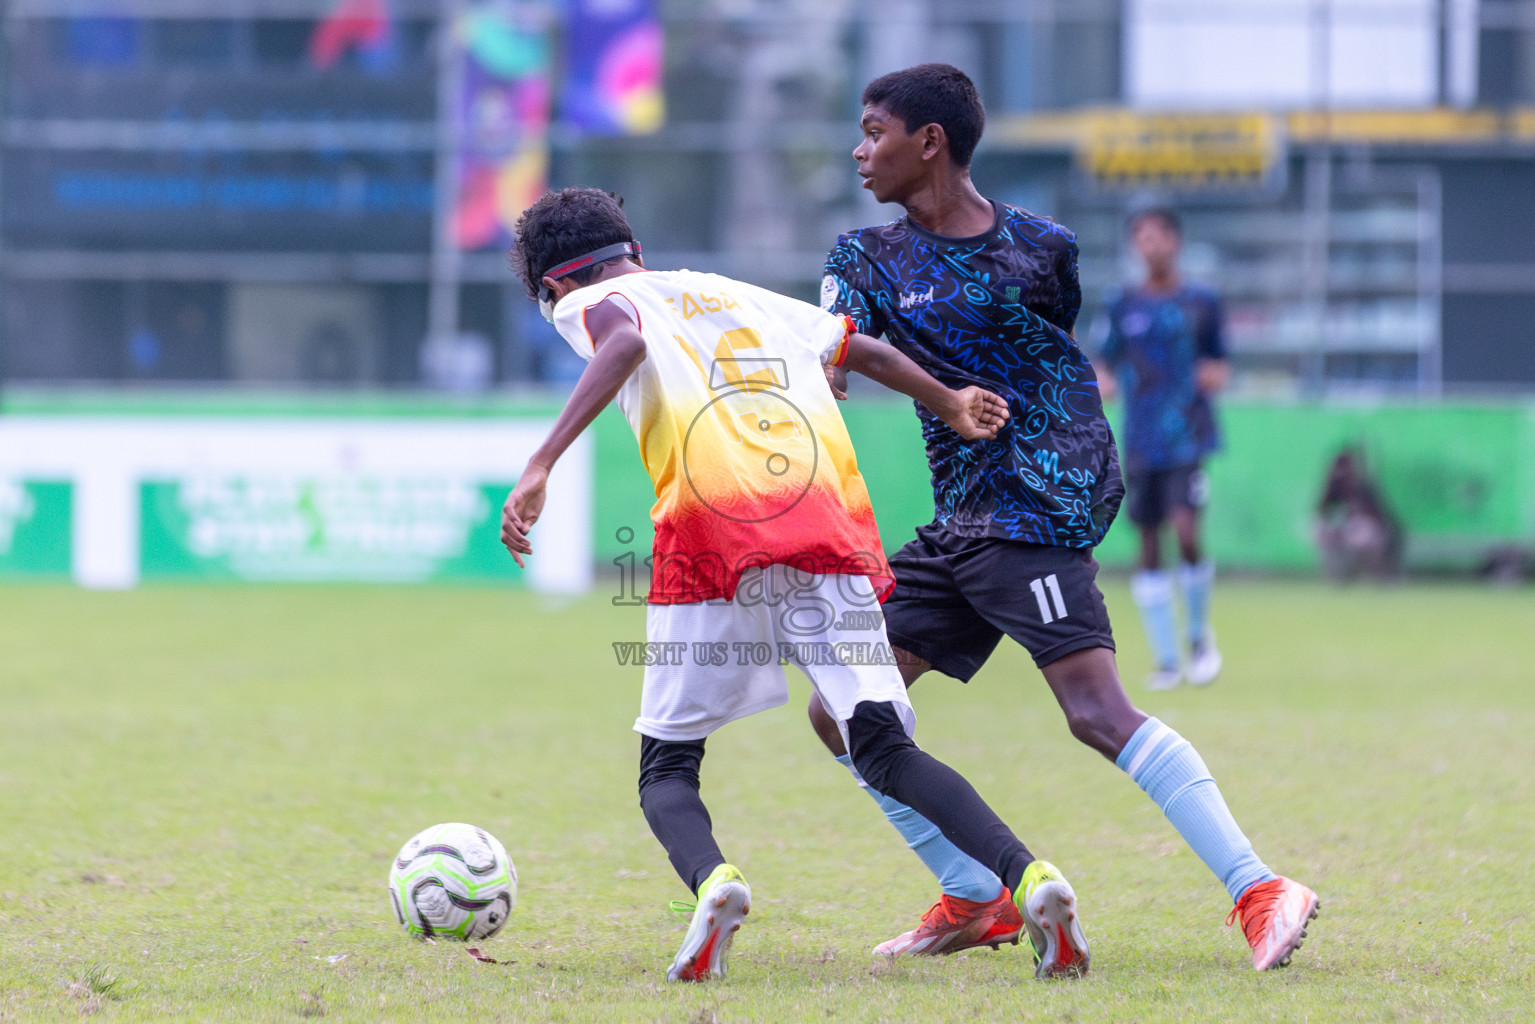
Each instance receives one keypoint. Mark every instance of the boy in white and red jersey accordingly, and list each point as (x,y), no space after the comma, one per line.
(765,542)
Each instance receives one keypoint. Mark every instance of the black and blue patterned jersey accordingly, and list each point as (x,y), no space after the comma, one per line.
(1152,343)
(994,310)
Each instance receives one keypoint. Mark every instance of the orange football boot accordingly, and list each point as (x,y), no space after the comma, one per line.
(1274,916)
(953,924)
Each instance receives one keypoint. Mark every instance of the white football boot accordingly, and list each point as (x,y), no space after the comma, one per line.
(1049,908)
(1204,661)
(724,900)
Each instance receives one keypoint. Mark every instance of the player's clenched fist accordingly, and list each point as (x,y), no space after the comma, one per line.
(522,510)
(836,379)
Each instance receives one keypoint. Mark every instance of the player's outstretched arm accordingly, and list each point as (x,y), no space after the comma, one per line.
(974,413)
(619,351)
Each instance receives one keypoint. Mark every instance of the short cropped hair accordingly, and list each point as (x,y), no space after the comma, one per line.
(1168,217)
(562,226)
(938,94)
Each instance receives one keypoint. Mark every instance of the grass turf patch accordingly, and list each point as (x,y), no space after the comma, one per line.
(201,789)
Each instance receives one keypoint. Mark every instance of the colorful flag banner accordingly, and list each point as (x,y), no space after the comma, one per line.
(613,65)
(361,25)
(503,122)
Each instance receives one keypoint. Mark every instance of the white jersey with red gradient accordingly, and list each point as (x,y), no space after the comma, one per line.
(751,462)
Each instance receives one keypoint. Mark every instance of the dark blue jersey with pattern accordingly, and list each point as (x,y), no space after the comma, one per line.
(1152,344)
(995,311)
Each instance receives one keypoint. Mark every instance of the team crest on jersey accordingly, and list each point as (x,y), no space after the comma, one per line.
(916,297)
(828,292)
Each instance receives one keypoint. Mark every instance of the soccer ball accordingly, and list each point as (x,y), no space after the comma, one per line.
(453,881)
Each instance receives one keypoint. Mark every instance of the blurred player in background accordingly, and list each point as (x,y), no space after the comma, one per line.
(1165,354)
(765,539)
(984,294)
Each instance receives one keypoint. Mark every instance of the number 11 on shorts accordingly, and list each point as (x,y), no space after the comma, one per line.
(1054,586)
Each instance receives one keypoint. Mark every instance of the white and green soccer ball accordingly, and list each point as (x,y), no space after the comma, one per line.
(453,881)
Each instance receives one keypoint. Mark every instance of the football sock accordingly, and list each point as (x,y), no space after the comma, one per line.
(681,822)
(1152,591)
(893,765)
(1173,774)
(676,814)
(1196,580)
(959,875)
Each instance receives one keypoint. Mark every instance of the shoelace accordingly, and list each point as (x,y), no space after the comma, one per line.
(1255,908)
(939,912)
(682,909)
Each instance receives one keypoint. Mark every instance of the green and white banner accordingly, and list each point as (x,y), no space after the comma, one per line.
(384,499)
(34,528)
(410,529)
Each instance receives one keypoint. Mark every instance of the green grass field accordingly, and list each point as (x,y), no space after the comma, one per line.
(201,789)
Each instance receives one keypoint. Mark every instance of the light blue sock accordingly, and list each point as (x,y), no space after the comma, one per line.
(1173,774)
(1152,591)
(1196,581)
(959,874)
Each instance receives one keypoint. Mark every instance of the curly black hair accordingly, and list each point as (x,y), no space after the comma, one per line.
(563,225)
(938,94)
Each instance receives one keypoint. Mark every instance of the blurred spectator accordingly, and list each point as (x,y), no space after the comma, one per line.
(1508,565)
(1356,532)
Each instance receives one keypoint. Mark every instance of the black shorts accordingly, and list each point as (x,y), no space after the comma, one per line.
(955,597)
(1154,494)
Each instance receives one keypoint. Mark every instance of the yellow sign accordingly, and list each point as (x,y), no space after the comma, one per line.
(1180,150)
(1438,125)
(1131,147)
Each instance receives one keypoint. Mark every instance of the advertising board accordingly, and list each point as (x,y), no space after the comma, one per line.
(283,499)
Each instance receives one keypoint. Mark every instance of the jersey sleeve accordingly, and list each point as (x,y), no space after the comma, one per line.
(836,355)
(844,290)
(1070,303)
(570,317)
(1211,342)
(826,334)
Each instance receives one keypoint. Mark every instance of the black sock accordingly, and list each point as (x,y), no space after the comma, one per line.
(894,766)
(677,815)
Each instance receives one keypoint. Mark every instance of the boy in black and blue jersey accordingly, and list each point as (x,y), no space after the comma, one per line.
(1165,352)
(997,306)
(978,292)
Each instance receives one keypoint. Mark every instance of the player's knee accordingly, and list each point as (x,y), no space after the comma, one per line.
(1086,725)
(825,726)
(669,759)
(1091,701)
(878,742)
(1105,729)
(1186,529)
